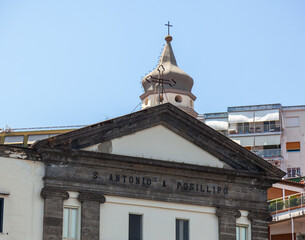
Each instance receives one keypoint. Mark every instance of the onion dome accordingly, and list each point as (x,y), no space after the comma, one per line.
(183,81)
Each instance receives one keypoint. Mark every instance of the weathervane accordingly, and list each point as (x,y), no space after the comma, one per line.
(168,27)
(160,81)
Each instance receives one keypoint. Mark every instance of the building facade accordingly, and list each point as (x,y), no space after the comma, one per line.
(271,131)
(157,173)
(154,174)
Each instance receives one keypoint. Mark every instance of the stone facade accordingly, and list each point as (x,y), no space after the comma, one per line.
(94,174)
(238,187)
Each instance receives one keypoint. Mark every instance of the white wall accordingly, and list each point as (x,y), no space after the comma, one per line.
(294,134)
(159,219)
(160,143)
(152,100)
(245,222)
(23,207)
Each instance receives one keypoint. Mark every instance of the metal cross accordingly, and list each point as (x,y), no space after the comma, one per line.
(160,81)
(168,26)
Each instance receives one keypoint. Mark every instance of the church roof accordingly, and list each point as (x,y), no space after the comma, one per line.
(176,120)
(168,63)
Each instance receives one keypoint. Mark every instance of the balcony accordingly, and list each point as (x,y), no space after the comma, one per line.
(268,153)
(255,127)
(287,207)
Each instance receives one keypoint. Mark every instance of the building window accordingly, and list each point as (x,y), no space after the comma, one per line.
(1,214)
(243,127)
(70,228)
(241,232)
(293,172)
(135,227)
(292,122)
(271,126)
(182,229)
(293,146)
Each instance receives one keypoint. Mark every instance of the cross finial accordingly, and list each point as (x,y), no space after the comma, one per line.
(168,26)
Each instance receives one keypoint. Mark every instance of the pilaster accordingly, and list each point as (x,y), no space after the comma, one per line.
(227,223)
(90,220)
(53,212)
(259,225)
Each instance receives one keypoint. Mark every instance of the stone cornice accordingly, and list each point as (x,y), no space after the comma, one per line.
(224,211)
(259,216)
(91,196)
(21,153)
(48,192)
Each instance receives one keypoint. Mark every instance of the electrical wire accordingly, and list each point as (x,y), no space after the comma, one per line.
(136,107)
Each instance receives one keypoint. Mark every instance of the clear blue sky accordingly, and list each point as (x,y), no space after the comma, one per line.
(67,62)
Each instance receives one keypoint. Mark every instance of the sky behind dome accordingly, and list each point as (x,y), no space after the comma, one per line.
(70,62)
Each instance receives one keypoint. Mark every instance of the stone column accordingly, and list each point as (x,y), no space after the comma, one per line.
(90,215)
(53,212)
(227,223)
(259,225)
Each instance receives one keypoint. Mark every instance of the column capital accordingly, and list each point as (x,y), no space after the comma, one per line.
(259,216)
(221,211)
(48,192)
(91,196)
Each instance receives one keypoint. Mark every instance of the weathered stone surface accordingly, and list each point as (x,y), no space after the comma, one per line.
(90,222)
(259,225)
(180,183)
(48,192)
(227,223)
(91,196)
(53,212)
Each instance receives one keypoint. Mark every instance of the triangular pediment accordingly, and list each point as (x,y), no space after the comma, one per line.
(158,143)
(153,130)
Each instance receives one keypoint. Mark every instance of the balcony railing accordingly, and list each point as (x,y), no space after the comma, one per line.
(257,127)
(268,152)
(286,203)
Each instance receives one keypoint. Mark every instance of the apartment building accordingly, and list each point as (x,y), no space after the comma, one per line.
(286,205)
(272,131)
(26,137)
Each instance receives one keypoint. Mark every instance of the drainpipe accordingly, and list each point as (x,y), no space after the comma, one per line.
(292,228)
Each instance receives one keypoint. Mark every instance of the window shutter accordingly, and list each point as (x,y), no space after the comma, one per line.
(292,146)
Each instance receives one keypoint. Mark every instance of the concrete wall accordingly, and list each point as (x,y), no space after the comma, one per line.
(294,134)
(23,206)
(159,219)
(159,143)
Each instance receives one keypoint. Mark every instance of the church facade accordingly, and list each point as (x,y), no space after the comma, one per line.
(154,174)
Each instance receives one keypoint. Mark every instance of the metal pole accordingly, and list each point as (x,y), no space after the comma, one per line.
(292,229)
(284,205)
